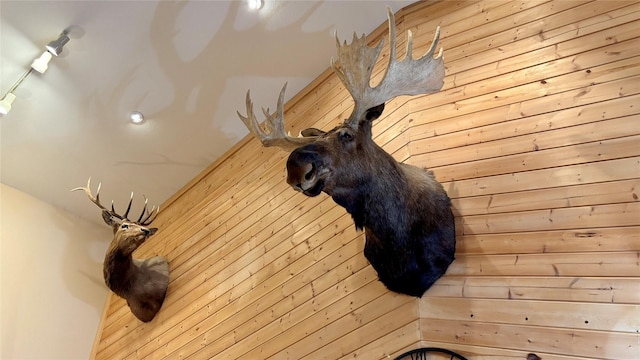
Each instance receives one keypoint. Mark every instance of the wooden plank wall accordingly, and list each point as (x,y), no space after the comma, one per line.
(536,138)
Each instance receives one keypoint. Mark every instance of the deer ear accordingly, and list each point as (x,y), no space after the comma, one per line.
(106,216)
(374,112)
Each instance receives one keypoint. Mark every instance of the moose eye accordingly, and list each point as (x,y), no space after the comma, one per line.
(345,136)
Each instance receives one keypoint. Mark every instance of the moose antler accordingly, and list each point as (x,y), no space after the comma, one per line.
(146,217)
(406,77)
(354,67)
(274,133)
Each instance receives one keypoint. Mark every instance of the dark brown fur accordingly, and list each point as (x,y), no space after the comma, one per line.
(143,283)
(404,211)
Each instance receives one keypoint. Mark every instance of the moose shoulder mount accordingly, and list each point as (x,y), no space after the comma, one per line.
(405,213)
(142,283)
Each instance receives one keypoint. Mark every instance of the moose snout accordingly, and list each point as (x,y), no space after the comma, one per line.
(298,180)
(303,168)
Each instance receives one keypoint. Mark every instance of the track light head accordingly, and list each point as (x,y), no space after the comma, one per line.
(55,46)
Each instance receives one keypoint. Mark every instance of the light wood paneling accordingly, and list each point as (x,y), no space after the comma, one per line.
(536,138)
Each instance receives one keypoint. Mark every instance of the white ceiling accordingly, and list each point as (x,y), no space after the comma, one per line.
(185,64)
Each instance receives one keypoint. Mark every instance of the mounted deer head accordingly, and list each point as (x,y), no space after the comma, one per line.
(143,283)
(405,212)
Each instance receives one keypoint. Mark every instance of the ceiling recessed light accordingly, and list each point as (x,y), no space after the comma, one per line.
(255,5)
(136,117)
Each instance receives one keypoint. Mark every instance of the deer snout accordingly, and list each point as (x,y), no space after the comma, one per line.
(149,231)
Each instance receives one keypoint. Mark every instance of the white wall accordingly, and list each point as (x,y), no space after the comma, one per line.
(52,291)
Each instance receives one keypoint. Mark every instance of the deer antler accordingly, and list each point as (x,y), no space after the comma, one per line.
(146,217)
(406,77)
(274,133)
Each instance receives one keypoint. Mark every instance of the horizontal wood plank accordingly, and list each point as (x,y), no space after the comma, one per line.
(561,341)
(580,289)
(554,314)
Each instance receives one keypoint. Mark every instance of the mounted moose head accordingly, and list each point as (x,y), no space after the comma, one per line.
(143,283)
(405,212)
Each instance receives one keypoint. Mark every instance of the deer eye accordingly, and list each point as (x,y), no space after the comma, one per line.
(124,226)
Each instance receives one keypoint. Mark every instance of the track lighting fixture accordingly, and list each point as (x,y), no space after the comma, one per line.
(9,97)
(5,103)
(40,64)
(55,46)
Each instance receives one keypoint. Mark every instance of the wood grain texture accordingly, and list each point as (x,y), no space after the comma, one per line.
(535,137)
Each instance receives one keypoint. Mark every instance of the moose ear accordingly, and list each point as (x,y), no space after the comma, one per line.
(312,132)
(374,112)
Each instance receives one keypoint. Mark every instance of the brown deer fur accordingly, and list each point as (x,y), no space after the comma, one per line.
(143,283)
